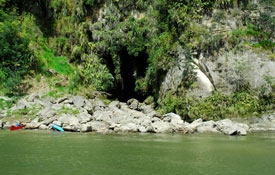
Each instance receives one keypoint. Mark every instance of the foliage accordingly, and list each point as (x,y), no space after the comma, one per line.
(174,102)
(93,35)
(96,75)
(267,93)
(220,106)
(4,104)
(16,59)
(57,63)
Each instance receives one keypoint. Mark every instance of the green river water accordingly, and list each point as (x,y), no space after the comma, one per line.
(53,153)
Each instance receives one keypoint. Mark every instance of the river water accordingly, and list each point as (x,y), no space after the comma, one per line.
(48,153)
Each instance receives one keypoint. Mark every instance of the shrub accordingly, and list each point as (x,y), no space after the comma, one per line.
(219,106)
(96,75)
(16,59)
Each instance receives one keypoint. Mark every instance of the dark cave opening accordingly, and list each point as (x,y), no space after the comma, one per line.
(131,68)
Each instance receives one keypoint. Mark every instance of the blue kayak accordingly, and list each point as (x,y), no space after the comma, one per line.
(58,128)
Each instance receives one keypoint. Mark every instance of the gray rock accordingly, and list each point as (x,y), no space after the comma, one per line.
(104,116)
(89,107)
(34,124)
(99,127)
(57,122)
(47,112)
(48,101)
(1,124)
(129,127)
(21,104)
(33,97)
(57,107)
(98,104)
(63,99)
(161,127)
(3,113)
(208,126)
(192,127)
(146,109)
(69,121)
(84,117)
(133,104)
(43,127)
(228,127)
(85,128)
(78,101)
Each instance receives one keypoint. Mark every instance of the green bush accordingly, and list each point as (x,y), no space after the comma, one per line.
(16,59)
(95,75)
(220,106)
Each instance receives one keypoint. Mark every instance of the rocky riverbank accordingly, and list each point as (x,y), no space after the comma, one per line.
(77,114)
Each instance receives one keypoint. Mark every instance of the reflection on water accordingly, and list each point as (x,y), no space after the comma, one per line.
(36,152)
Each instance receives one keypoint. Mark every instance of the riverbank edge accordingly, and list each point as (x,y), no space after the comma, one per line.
(78,114)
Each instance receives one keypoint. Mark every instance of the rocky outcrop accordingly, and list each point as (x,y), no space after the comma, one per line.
(77,114)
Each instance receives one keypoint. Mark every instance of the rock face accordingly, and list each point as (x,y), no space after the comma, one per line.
(77,114)
(226,69)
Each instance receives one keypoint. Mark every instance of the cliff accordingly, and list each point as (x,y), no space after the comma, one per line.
(215,57)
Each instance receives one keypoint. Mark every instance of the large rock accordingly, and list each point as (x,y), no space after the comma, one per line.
(46,112)
(84,117)
(265,123)
(227,127)
(175,121)
(85,128)
(99,127)
(69,122)
(34,124)
(208,126)
(133,104)
(192,127)
(21,104)
(98,104)
(161,127)
(128,127)
(78,101)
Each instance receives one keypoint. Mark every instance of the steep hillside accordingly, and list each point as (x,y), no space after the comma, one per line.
(208,59)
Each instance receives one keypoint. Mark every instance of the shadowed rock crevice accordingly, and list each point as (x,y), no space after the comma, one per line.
(131,68)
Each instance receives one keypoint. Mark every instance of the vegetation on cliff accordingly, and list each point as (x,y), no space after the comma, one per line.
(126,47)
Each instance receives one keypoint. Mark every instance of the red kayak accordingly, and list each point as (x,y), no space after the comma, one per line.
(12,128)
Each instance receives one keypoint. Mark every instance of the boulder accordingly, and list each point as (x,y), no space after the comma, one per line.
(208,126)
(98,104)
(21,104)
(3,113)
(161,127)
(78,101)
(34,124)
(146,109)
(85,128)
(103,116)
(129,127)
(57,122)
(47,112)
(47,102)
(133,104)
(99,127)
(84,117)
(89,107)
(43,127)
(69,122)
(33,97)
(192,127)
(228,127)
(265,123)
